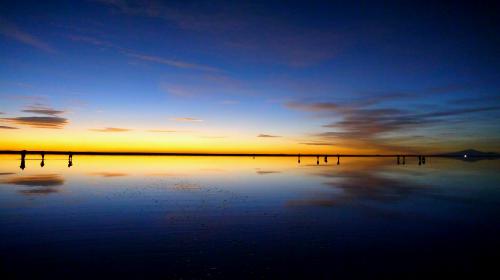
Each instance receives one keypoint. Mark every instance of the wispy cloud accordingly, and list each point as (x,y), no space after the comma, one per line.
(186,119)
(30,98)
(267,136)
(367,98)
(478,99)
(218,86)
(110,129)
(173,63)
(259,35)
(149,58)
(92,41)
(50,120)
(360,125)
(10,30)
(183,19)
(7,127)
(39,122)
(312,107)
(43,110)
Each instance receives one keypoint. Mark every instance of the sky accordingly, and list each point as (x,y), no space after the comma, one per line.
(249,77)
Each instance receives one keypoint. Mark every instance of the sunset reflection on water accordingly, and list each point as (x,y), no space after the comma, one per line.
(195,217)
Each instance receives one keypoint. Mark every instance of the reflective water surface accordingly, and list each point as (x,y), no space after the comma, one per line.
(215,217)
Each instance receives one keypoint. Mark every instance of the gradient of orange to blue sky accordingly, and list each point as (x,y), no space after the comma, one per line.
(214,76)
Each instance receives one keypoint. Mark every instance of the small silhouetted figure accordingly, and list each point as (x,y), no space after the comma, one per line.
(70,160)
(23,158)
(42,164)
(317,160)
(404,160)
(326,159)
(398,159)
(423,159)
(338,159)
(419,160)
(298,159)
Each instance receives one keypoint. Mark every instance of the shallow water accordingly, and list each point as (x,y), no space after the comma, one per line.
(214,217)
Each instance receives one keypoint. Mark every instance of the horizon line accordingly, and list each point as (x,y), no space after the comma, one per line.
(33,152)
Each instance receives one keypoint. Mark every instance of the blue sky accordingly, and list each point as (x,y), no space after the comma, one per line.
(320,76)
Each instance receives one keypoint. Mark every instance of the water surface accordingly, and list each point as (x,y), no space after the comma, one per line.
(214,217)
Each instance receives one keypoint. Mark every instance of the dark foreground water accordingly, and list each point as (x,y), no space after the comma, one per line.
(238,217)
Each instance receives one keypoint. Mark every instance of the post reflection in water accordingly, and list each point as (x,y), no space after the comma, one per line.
(23,160)
(189,216)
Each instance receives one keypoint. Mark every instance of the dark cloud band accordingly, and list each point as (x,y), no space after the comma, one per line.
(39,122)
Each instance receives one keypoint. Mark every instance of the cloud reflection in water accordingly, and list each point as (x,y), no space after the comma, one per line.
(40,184)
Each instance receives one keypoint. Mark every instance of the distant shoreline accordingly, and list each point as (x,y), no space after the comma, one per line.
(10,152)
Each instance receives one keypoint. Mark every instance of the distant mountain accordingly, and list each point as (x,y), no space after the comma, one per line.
(471,153)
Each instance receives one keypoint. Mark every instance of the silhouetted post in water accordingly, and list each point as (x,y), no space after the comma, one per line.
(338,159)
(419,160)
(423,159)
(398,159)
(326,159)
(42,164)
(298,160)
(70,160)
(317,160)
(404,160)
(23,157)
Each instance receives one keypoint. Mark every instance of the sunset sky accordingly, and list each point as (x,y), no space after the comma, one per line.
(280,77)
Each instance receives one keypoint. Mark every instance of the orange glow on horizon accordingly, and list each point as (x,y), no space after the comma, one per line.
(83,140)
(71,140)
